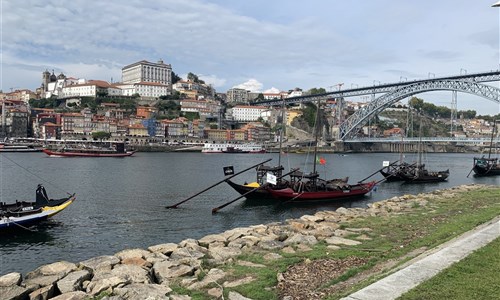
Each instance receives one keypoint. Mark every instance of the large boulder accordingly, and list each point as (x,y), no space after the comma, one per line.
(100,262)
(60,268)
(166,249)
(164,271)
(143,291)
(132,253)
(73,281)
(10,279)
(14,292)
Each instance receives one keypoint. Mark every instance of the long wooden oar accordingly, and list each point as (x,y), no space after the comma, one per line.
(214,185)
(378,171)
(216,209)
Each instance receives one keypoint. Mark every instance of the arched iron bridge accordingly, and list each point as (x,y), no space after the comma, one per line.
(392,93)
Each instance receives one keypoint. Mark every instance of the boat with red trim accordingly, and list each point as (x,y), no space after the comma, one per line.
(116,149)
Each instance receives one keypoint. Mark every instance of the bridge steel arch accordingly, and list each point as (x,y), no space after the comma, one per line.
(352,125)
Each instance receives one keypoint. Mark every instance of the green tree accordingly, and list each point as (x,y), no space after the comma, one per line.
(175,77)
(194,78)
(315,91)
(101,135)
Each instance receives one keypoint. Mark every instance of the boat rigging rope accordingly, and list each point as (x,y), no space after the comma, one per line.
(33,174)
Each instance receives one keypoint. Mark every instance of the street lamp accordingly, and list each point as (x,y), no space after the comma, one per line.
(497,4)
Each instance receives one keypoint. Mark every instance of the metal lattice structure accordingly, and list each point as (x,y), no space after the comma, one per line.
(355,122)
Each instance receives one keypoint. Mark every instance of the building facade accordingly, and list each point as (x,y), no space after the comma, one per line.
(246,113)
(145,71)
(237,95)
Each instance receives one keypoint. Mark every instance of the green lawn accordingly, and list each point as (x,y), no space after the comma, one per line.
(475,277)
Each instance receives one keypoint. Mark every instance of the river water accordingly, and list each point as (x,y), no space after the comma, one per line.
(121,201)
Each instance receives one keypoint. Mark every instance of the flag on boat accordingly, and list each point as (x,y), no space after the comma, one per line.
(321,160)
(271,178)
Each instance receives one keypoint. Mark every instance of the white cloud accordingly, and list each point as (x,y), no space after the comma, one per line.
(213,80)
(272,90)
(252,85)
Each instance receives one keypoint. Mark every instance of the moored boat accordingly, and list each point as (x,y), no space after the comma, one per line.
(486,166)
(233,148)
(6,147)
(396,171)
(313,193)
(117,150)
(309,188)
(420,174)
(21,214)
(489,166)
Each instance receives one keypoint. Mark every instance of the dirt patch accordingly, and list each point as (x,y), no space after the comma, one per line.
(305,281)
(310,280)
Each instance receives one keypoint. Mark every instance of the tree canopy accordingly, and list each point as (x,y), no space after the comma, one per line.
(194,78)
(315,91)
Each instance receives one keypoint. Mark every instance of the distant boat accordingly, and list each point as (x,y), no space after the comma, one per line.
(483,166)
(8,147)
(21,214)
(418,173)
(233,148)
(116,149)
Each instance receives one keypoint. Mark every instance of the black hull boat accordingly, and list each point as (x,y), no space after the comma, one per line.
(259,187)
(19,215)
(397,172)
(486,167)
(421,175)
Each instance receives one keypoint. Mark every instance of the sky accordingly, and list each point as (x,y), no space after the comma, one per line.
(258,45)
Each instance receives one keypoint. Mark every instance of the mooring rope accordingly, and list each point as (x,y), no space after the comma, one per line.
(34,175)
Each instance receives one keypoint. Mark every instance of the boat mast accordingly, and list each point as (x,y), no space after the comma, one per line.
(316,137)
(492,134)
(281,130)
(420,142)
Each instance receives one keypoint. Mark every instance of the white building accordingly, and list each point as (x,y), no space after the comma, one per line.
(144,71)
(87,89)
(247,113)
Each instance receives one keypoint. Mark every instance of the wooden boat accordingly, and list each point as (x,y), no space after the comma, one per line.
(483,166)
(21,214)
(486,166)
(229,147)
(396,172)
(419,173)
(309,188)
(259,192)
(118,150)
(312,193)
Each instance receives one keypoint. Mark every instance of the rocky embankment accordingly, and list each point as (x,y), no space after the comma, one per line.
(150,273)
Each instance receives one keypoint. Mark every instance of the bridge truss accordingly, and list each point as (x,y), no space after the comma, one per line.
(354,123)
(393,92)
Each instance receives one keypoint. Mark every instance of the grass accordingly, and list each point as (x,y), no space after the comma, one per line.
(475,277)
(394,237)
